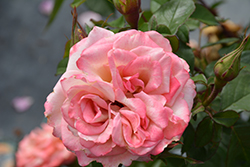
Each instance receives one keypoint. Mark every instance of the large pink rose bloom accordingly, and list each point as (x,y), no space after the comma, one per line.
(41,149)
(123,97)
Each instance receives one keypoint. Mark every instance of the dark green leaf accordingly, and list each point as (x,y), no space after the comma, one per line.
(245,60)
(62,65)
(236,94)
(77,3)
(198,108)
(144,17)
(155,163)
(222,41)
(95,164)
(239,148)
(174,42)
(103,7)
(187,54)
(156,4)
(192,24)
(199,79)
(188,136)
(143,27)
(216,104)
(209,71)
(204,15)
(201,153)
(174,13)
(57,6)
(204,132)
(67,48)
(227,49)
(99,23)
(88,29)
(174,160)
(118,23)
(153,23)
(183,33)
(162,29)
(226,118)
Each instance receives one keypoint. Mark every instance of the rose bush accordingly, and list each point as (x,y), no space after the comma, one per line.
(123,97)
(41,149)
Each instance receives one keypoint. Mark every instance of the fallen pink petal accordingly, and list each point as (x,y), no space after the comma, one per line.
(22,103)
(46,7)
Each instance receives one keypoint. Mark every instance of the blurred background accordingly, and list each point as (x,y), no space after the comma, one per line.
(29,57)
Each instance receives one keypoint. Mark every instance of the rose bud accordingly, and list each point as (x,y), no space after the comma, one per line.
(130,9)
(228,67)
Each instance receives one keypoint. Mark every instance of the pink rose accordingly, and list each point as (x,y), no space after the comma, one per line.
(41,149)
(123,97)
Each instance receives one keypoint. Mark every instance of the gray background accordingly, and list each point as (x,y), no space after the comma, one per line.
(29,56)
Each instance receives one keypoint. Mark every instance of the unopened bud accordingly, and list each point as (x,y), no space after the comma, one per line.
(130,9)
(228,67)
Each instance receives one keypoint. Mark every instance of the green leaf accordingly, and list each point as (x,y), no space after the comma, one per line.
(236,94)
(204,15)
(204,132)
(77,3)
(95,164)
(174,13)
(155,163)
(174,160)
(57,6)
(143,27)
(198,108)
(88,29)
(209,71)
(183,33)
(62,65)
(226,118)
(118,23)
(192,24)
(174,41)
(67,48)
(153,23)
(188,136)
(200,79)
(162,29)
(239,148)
(245,60)
(187,54)
(156,4)
(144,17)
(103,7)
(222,41)
(216,104)
(227,49)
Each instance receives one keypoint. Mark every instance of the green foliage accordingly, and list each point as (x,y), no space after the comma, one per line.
(187,54)
(77,3)
(204,132)
(62,65)
(103,7)
(226,118)
(239,149)
(171,13)
(236,94)
(222,41)
(204,15)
